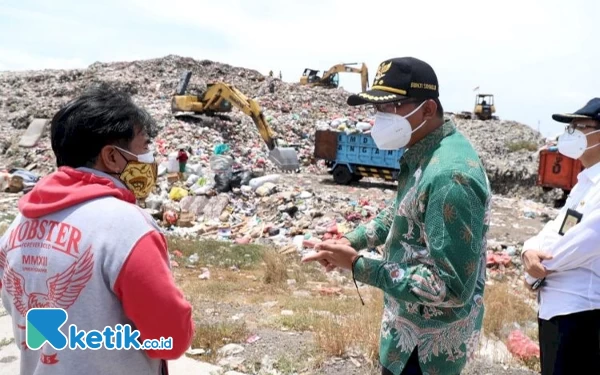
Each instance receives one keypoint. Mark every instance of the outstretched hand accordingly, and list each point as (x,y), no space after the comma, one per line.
(333,254)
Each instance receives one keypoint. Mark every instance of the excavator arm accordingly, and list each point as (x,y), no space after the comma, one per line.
(219,92)
(340,68)
(218,98)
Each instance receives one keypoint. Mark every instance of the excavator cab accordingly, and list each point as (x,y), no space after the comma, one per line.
(331,78)
(334,80)
(224,105)
(484,106)
(310,76)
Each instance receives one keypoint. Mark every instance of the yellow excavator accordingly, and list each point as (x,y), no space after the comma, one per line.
(331,77)
(218,98)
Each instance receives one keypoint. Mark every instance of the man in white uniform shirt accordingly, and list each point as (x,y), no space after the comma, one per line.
(562,262)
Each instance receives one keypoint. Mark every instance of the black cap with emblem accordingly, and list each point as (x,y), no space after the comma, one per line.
(590,111)
(397,79)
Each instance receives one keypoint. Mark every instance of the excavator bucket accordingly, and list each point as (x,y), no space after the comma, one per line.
(285,158)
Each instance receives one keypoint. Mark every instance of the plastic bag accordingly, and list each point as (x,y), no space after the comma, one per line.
(236,180)
(246,176)
(363,126)
(522,346)
(222,183)
(177,193)
(192,179)
(201,190)
(241,178)
(220,149)
(255,183)
(221,163)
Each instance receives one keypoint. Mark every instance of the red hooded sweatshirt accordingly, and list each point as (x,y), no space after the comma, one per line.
(80,243)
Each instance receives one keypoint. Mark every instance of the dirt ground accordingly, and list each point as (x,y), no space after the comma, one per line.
(290,323)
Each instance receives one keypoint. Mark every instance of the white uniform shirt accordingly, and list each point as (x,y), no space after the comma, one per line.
(575,284)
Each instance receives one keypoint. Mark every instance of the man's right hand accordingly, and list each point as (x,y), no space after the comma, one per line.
(532,261)
(328,267)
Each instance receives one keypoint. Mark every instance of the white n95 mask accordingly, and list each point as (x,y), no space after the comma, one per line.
(575,144)
(392,131)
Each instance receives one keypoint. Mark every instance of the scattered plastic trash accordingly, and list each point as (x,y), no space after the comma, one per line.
(252,339)
(522,346)
(205,275)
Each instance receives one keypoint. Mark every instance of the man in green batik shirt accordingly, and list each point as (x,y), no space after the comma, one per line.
(434,234)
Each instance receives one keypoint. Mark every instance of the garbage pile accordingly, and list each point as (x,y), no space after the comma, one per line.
(509,151)
(217,197)
(293,111)
(347,125)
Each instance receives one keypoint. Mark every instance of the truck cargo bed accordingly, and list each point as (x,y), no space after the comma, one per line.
(356,149)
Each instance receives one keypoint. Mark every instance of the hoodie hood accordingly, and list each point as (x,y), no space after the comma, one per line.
(68,187)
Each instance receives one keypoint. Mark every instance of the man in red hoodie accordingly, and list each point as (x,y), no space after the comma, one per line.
(80,243)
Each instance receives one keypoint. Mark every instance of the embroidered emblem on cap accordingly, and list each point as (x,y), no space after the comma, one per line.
(381,71)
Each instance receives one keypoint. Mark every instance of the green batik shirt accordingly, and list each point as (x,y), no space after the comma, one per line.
(433,267)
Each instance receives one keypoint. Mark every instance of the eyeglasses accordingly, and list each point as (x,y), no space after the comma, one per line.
(571,127)
(391,107)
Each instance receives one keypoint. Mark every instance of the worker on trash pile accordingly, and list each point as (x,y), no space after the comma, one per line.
(434,234)
(81,245)
(182,158)
(562,262)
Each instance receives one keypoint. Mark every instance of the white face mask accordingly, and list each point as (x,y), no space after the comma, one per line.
(574,145)
(392,131)
(148,157)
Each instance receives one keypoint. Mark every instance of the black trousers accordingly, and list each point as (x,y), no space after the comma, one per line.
(570,344)
(412,366)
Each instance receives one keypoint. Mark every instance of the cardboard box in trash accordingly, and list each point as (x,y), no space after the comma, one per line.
(172,178)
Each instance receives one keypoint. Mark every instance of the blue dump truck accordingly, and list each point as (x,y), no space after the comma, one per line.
(351,157)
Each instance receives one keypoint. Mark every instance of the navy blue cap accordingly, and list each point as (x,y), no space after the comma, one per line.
(590,111)
(397,79)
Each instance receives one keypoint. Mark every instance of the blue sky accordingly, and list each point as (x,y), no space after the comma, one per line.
(537,57)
